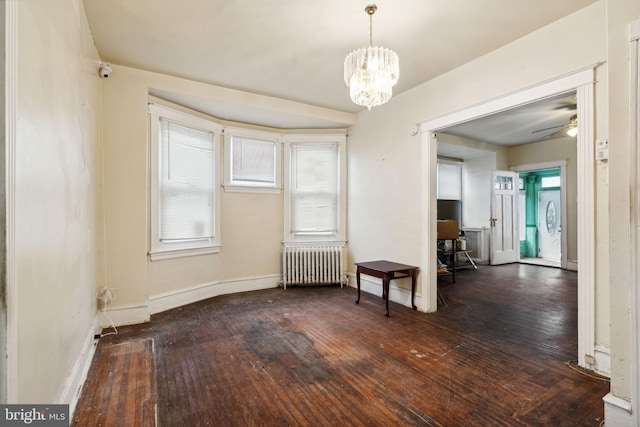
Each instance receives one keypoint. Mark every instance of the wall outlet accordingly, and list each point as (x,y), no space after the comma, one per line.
(105,296)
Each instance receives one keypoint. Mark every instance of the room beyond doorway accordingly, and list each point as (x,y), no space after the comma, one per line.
(581,80)
(540,219)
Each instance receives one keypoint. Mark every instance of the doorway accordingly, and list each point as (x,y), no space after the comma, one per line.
(541,217)
(580,81)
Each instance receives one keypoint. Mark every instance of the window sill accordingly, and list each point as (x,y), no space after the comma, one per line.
(159,255)
(251,189)
(315,238)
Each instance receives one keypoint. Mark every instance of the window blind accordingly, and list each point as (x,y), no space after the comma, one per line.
(314,188)
(187,166)
(254,161)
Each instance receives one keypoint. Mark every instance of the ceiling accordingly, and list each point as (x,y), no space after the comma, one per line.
(536,121)
(295,49)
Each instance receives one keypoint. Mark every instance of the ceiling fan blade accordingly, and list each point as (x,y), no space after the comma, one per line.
(552,127)
(558,132)
(567,106)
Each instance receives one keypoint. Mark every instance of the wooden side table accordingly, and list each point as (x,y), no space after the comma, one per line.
(387,271)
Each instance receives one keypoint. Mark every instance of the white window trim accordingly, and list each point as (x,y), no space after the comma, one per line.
(234,187)
(310,139)
(162,250)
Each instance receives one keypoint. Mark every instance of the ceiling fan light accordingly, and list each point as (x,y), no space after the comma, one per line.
(572,132)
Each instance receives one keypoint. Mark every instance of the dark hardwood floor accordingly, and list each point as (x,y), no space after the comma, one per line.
(500,353)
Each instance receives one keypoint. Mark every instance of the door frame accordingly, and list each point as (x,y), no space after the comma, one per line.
(10,367)
(612,401)
(562,165)
(582,82)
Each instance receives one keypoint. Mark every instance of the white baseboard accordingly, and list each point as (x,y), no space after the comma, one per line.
(572,265)
(617,412)
(169,300)
(603,361)
(130,315)
(125,315)
(75,381)
(397,294)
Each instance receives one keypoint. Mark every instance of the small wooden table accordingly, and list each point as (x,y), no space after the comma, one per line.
(387,270)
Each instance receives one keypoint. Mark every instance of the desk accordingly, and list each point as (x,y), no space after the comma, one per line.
(387,270)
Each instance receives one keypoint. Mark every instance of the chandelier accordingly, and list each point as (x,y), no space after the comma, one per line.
(371,72)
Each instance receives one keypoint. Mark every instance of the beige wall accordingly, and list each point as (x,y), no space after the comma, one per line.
(385,171)
(55,197)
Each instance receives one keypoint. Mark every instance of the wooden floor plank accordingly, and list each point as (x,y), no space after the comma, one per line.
(120,389)
(496,355)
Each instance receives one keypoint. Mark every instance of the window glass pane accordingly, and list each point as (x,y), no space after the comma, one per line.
(550,181)
(508,182)
(253,161)
(186,183)
(314,192)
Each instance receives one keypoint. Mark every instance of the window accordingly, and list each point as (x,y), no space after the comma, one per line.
(184,177)
(550,182)
(449,180)
(315,188)
(252,162)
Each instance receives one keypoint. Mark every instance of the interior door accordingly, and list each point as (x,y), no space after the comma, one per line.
(549,225)
(505,242)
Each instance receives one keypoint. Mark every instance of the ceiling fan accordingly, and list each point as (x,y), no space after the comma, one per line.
(570,129)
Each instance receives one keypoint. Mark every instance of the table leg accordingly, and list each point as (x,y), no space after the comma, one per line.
(358,282)
(385,293)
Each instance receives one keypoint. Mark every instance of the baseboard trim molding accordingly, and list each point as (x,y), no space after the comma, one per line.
(125,315)
(617,412)
(572,265)
(130,315)
(397,294)
(170,300)
(603,361)
(75,381)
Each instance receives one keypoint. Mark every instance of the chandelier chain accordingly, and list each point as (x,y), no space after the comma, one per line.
(371,9)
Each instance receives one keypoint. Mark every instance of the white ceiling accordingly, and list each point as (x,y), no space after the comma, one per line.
(533,122)
(295,49)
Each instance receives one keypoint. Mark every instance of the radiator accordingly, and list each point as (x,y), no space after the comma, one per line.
(478,243)
(312,265)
